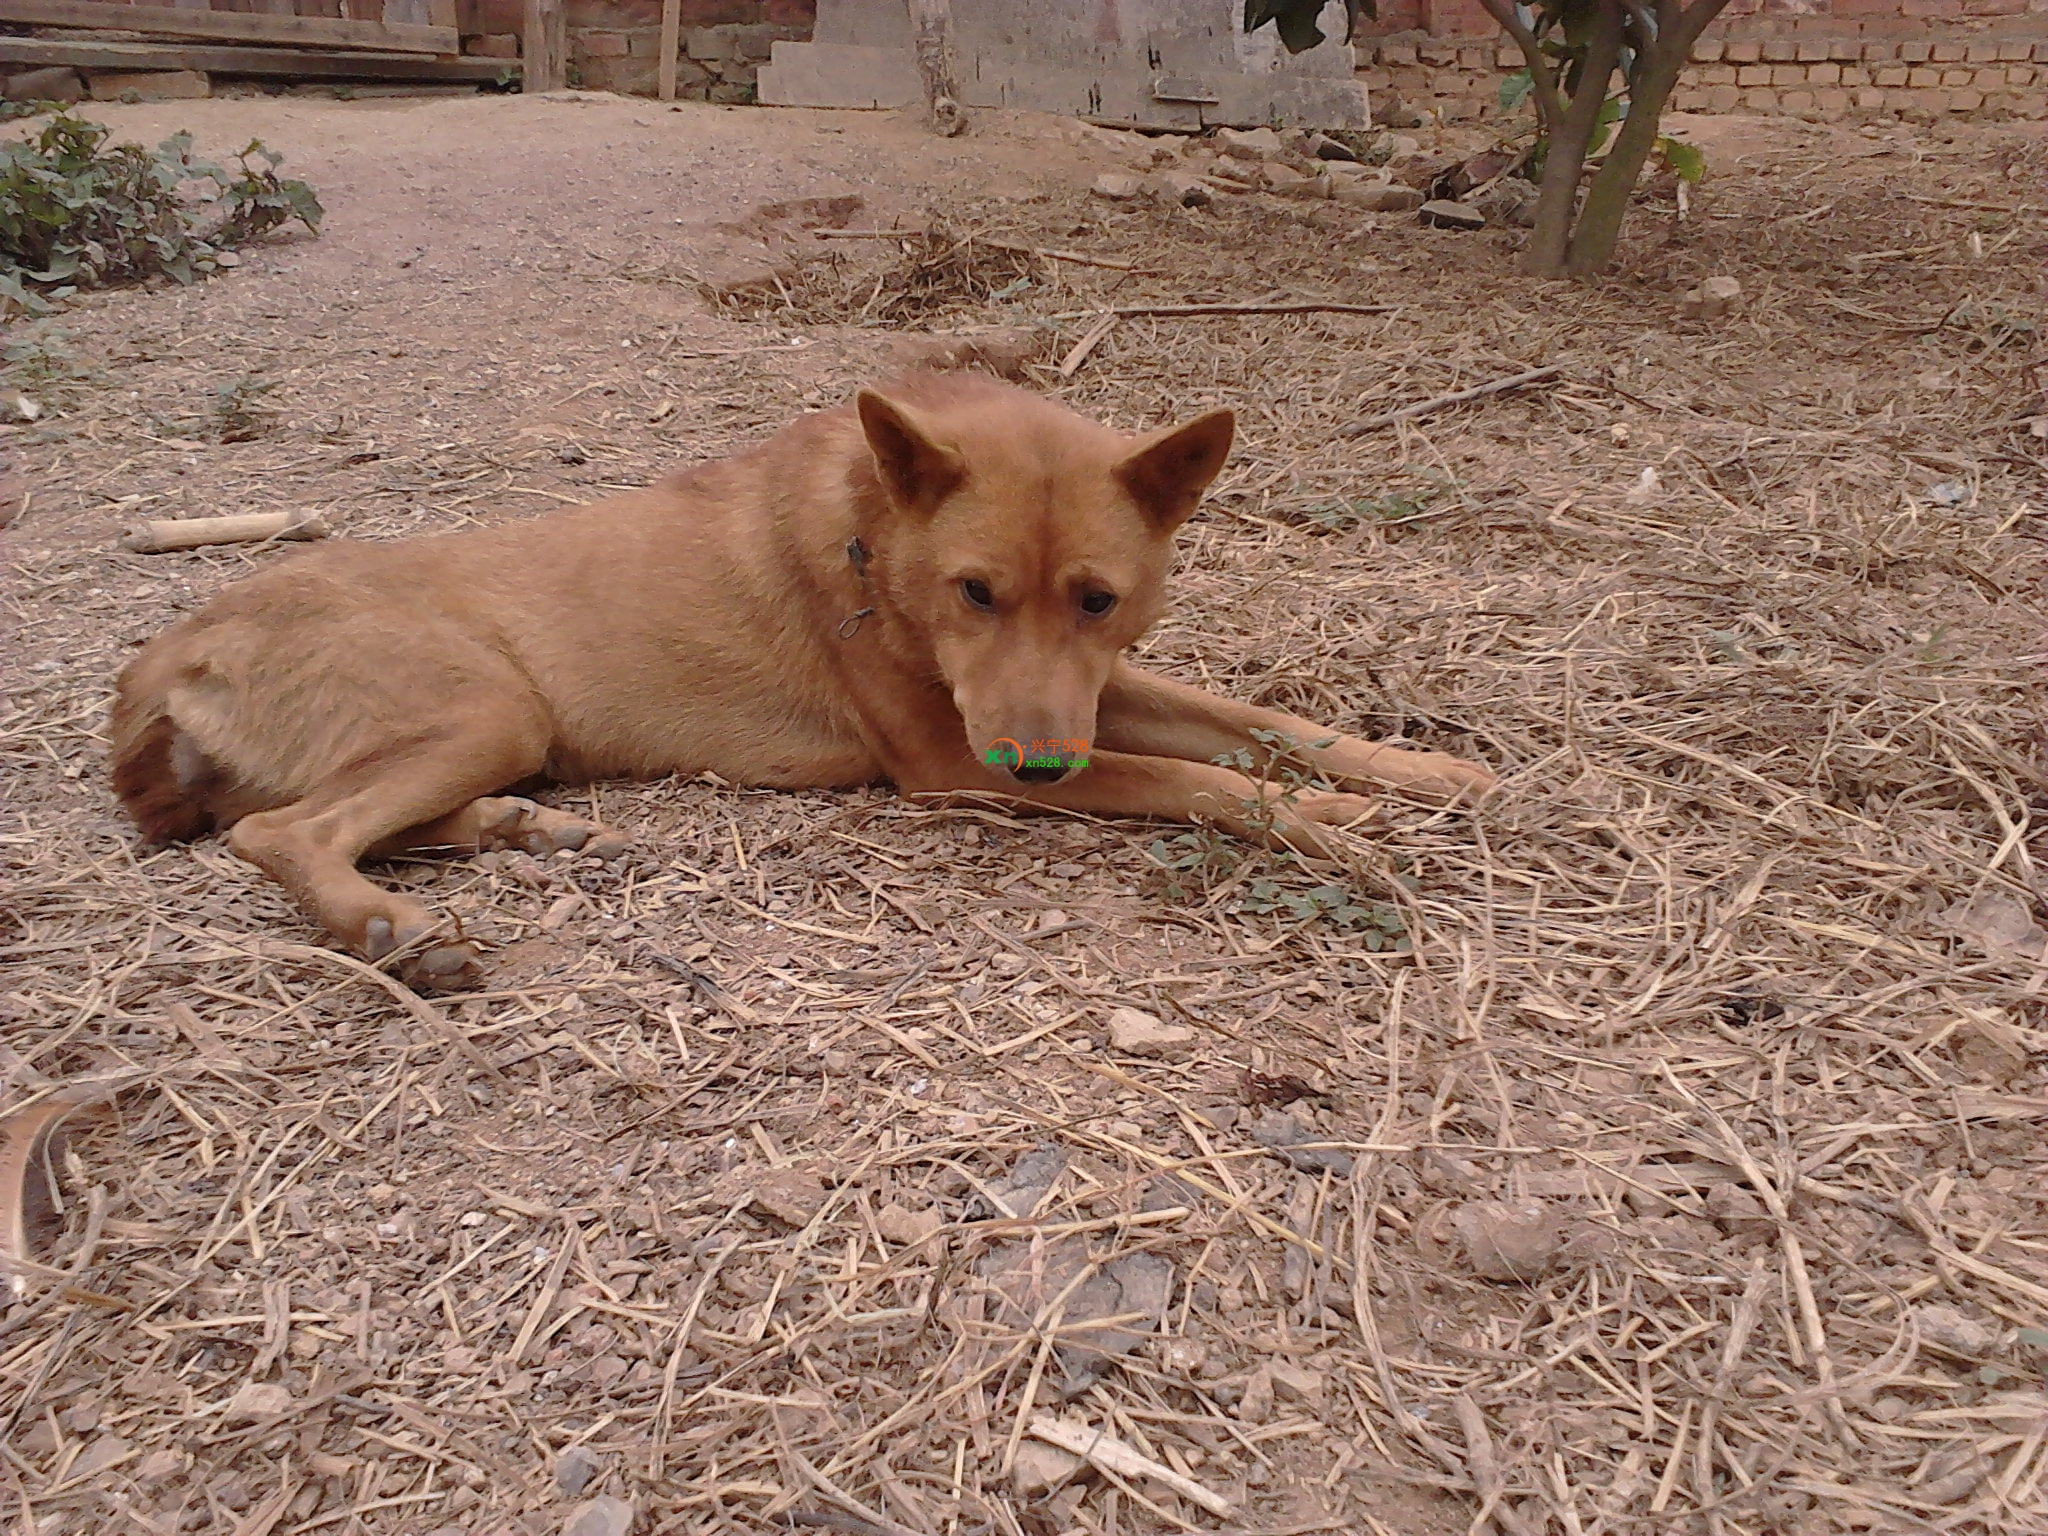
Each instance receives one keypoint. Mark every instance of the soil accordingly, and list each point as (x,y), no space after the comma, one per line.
(1661,1148)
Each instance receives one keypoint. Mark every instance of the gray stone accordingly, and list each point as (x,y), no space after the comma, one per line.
(1134,1032)
(575,1468)
(600,1517)
(1249,143)
(1292,1141)
(1379,197)
(1445,214)
(60,83)
(1509,1242)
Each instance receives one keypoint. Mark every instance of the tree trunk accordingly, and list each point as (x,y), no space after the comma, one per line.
(1566,157)
(1599,228)
(932,25)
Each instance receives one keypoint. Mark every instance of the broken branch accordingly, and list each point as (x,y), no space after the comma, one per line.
(1456,397)
(1114,1456)
(165,535)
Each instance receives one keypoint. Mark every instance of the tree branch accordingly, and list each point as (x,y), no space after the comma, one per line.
(1543,81)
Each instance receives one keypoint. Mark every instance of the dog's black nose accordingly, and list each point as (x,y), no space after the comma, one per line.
(1036,773)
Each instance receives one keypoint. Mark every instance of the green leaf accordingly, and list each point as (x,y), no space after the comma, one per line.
(1515,88)
(1685,160)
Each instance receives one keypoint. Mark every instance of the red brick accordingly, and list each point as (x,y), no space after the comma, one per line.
(1988,79)
(1397,53)
(1854,75)
(1813,50)
(1892,76)
(1948,53)
(1956,78)
(1753,74)
(1880,53)
(1760,101)
(1921,78)
(1788,74)
(1723,98)
(1743,50)
(1982,53)
(599,45)
(1994,7)
(1831,103)
(1457,18)
(1718,74)
(1796,102)
(2015,52)
(1823,74)
(1870,100)
(791,13)
(1931,8)
(492,45)
(2021,74)
(1780,50)
(1708,50)
(1916,52)
(1965,100)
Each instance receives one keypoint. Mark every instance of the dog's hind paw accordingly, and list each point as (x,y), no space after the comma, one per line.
(510,821)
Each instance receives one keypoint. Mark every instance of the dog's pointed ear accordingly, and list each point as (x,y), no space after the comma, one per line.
(918,469)
(1167,474)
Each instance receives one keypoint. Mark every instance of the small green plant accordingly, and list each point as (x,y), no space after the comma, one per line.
(1340,514)
(77,212)
(240,412)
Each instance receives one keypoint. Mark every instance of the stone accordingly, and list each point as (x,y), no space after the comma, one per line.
(899,1225)
(60,83)
(1378,197)
(1738,1212)
(1180,188)
(257,1400)
(1292,1142)
(1117,188)
(1249,143)
(1296,1384)
(1025,1278)
(575,1468)
(791,1196)
(1442,213)
(1323,147)
(1040,1469)
(149,85)
(1134,1032)
(1256,1406)
(600,1517)
(1954,1331)
(1503,1241)
(1711,300)
(1285,181)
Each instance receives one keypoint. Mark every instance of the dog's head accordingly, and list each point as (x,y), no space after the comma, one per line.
(1031,546)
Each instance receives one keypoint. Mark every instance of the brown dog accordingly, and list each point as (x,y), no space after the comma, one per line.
(934,587)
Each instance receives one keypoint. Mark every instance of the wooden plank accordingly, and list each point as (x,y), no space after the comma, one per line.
(290,63)
(671,40)
(233,26)
(544,46)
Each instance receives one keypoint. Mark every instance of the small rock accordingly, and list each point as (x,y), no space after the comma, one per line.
(1286,181)
(1323,147)
(1283,1134)
(1711,300)
(792,1196)
(149,85)
(1739,1213)
(257,1400)
(1390,110)
(1118,189)
(1296,1384)
(1040,1469)
(60,83)
(575,1468)
(1442,213)
(1256,1406)
(1134,1032)
(157,1466)
(1183,1357)
(1249,143)
(1504,1241)
(899,1225)
(1953,1331)
(18,407)
(102,1453)
(1379,197)
(1180,188)
(1989,1047)
(600,1517)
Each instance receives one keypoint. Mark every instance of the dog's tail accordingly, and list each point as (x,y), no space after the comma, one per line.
(150,754)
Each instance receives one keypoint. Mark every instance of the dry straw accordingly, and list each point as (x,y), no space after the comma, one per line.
(703,1204)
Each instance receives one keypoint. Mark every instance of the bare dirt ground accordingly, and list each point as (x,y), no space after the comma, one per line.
(1680,1168)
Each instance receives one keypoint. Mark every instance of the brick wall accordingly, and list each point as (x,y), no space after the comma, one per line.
(615,45)
(1828,59)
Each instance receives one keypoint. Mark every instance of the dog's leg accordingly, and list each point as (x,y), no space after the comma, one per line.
(1176,789)
(1145,713)
(502,821)
(311,847)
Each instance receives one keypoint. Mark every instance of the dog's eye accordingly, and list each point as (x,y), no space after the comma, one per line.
(977,593)
(1098,602)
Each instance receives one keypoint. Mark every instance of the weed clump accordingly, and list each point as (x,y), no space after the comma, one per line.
(77,212)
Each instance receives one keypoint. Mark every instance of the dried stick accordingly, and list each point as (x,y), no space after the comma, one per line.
(1071,363)
(1256,309)
(168,534)
(1457,397)
(1114,1456)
